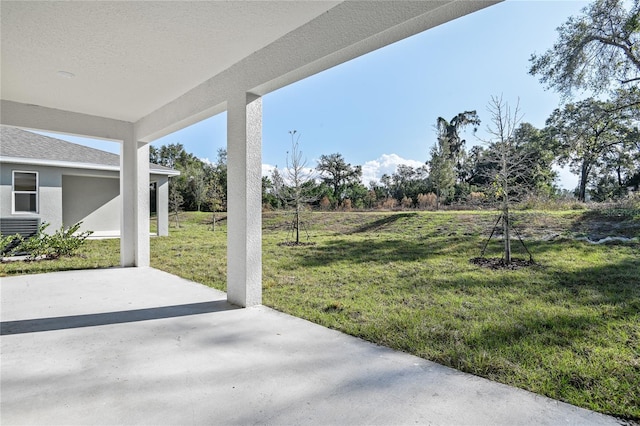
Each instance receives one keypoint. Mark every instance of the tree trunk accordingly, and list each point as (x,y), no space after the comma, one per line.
(296,224)
(619,171)
(582,189)
(506,231)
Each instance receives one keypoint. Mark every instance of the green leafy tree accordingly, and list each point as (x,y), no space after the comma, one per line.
(617,168)
(597,50)
(338,175)
(585,133)
(449,132)
(279,187)
(198,184)
(269,199)
(539,177)
(175,201)
(442,175)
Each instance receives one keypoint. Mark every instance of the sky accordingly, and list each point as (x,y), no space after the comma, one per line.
(380,110)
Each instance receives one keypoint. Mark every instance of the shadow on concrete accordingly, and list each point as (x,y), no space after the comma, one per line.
(107,318)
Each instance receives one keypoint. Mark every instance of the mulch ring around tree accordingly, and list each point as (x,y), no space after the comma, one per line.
(294,244)
(499,263)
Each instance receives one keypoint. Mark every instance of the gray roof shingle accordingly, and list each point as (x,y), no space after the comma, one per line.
(18,143)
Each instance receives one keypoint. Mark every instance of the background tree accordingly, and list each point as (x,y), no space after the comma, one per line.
(279,187)
(196,177)
(585,133)
(198,183)
(220,174)
(175,202)
(449,133)
(616,169)
(338,175)
(539,177)
(269,197)
(407,182)
(597,50)
(216,194)
(441,171)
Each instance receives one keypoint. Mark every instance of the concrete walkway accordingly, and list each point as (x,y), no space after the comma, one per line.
(140,346)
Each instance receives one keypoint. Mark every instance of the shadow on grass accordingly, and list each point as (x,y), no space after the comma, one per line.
(597,224)
(381,223)
(373,250)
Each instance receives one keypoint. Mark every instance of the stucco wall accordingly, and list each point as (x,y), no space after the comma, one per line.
(93,200)
(67,196)
(49,194)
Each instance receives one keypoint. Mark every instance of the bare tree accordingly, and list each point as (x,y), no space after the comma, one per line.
(299,177)
(510,162)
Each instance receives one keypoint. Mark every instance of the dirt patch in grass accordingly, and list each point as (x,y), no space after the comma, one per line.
(298,244)
(499,263)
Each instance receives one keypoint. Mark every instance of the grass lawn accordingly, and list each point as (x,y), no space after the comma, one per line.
(568,328)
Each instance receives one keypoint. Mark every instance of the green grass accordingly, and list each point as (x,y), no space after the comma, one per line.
(568,328)
(93,254)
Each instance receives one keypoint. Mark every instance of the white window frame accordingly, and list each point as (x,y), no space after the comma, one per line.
(14,192)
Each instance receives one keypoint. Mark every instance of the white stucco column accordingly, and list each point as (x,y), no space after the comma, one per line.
(134,192)
(162,205)
(244,200)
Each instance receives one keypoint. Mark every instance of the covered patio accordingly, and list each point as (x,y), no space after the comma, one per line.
(140,346)
(134,345)
(132,72)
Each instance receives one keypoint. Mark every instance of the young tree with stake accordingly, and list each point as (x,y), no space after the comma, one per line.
(511,162)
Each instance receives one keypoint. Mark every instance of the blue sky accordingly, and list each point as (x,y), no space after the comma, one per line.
(379,110)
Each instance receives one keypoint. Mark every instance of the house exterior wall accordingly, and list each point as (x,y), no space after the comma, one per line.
(49,193)
(67,196)
(93,200)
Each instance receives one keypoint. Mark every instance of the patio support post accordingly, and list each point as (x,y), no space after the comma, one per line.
(244,200)
(162,206)
(134,190)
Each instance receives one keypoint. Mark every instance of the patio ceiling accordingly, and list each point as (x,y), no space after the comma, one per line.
(166,64)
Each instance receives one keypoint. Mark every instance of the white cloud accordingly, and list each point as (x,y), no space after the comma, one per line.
(267,169)
(386,163)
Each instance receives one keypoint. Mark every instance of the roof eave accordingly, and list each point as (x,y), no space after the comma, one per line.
(76,165)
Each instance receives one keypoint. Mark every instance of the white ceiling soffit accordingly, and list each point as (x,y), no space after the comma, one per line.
(167,64)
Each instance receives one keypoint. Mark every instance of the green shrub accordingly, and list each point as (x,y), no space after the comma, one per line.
(7,242)
(66,242)
(61,243)
(35,246)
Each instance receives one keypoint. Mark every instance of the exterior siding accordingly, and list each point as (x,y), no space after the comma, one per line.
(67,196)
(93,200)
(49,193)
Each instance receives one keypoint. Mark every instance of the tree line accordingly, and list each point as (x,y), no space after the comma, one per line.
(597,137)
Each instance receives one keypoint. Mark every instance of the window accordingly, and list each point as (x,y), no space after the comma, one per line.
(25,192)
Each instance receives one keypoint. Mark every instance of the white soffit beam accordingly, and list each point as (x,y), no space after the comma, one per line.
(344,32)
(36,117)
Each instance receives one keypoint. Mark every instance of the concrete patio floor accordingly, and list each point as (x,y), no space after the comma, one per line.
(140,346)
